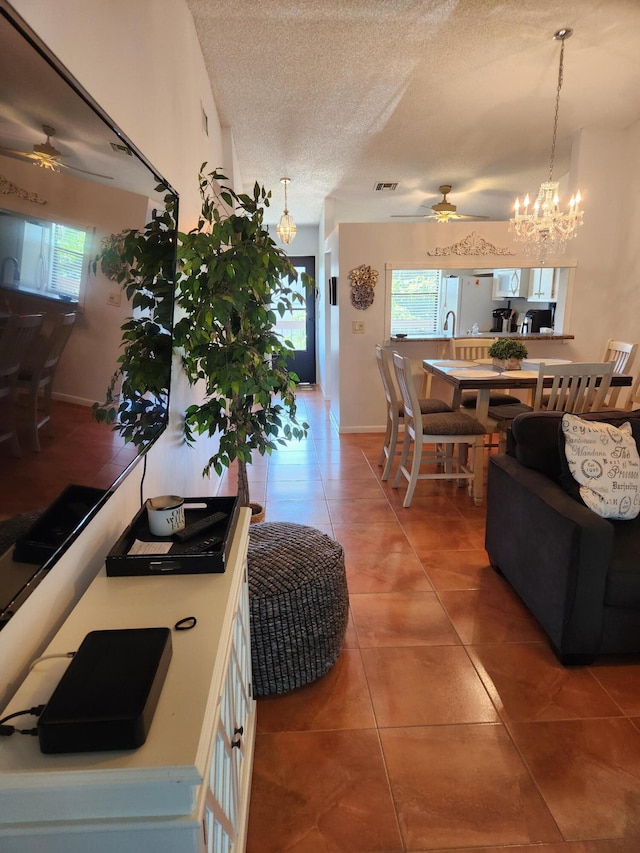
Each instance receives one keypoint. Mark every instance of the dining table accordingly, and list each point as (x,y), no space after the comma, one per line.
(483,377)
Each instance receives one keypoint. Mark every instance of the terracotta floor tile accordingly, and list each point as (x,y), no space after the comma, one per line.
(316,792)
(347,470)
(622,682)
(299,473)
(367,510)
(394,572)
(378,538)
(433,533)
(281,489)
(588,772)
(302,512)
(463,786)
(613,845)
(338,700)
(351,636)
(425,685)
(401,619)
(490,615)
(526,682)
(344,489)
(462,569)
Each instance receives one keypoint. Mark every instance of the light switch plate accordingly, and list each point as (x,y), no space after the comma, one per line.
(357,327)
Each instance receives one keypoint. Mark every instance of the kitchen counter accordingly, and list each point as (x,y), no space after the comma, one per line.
(530,336)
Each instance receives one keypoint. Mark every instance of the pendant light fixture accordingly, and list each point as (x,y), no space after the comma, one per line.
(286,228)
(546,229)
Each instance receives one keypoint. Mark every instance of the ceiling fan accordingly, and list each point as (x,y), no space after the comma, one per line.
(443,211)
(45,155)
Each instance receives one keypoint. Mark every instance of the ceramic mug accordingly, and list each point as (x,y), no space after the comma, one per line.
(165,514)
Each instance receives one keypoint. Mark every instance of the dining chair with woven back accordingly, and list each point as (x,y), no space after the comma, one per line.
(575,387)
(426,435)
(395,411)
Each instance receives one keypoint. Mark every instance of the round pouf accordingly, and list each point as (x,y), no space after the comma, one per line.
(298,605)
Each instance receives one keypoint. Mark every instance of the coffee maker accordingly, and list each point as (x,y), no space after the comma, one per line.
(504,320)
(537,318)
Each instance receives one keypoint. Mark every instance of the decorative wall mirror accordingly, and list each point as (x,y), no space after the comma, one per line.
(64,162)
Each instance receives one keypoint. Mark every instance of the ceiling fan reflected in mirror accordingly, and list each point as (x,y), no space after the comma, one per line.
(45,155)
(443,211)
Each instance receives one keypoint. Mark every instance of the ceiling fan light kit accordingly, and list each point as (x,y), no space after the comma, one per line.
(545,228)
(443,211)
(286,228)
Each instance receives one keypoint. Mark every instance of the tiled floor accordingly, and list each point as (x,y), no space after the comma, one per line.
(447,723)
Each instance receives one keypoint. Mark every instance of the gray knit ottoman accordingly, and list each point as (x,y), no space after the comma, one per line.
(298,604)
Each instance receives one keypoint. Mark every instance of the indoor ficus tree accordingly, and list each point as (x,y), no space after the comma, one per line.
(233,283)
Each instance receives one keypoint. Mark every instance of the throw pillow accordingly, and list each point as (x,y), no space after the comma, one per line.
(604,462)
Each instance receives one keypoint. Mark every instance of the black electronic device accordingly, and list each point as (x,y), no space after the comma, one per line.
(538,318)
(107,697)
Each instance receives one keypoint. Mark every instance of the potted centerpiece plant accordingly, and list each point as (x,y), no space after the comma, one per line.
(142,261)
(507,353)
(233,282)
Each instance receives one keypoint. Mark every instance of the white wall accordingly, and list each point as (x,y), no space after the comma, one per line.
(142,63)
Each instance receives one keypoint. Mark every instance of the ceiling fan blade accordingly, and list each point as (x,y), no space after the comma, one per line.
(24,155)
(411,216)
(84,171)
(467,216)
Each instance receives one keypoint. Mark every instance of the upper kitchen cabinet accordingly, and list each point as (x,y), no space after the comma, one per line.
(508,284)
(542,285)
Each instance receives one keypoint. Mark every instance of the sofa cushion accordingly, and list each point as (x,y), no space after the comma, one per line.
(623,577)
(534,437)
(603,460)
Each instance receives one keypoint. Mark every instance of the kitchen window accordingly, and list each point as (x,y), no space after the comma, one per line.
(415,301)
(44,258)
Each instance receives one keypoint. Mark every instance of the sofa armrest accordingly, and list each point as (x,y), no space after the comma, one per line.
(553,550)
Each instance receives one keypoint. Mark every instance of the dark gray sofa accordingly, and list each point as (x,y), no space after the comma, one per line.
(578,573)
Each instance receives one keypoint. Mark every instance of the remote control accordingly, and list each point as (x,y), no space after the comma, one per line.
(203,546)
(200,526)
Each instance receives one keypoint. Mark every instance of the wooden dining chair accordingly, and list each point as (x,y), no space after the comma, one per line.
(424,436)
(395,411)
(623,355)
(471,349)
(16,338)
(576,387)
(37,372)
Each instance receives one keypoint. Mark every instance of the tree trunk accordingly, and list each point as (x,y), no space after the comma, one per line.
(243,484)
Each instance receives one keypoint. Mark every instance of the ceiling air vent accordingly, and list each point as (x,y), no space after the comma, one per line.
(121,149)
(385,186)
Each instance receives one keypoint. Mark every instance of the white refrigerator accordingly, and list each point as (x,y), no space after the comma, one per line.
(470,298)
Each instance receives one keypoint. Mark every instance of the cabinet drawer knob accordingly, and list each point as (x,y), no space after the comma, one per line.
(239,731)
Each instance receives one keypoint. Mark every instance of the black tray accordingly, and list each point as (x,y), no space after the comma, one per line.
(56,524)
(183,558)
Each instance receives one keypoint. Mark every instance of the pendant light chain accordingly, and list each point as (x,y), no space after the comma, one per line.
(555,119)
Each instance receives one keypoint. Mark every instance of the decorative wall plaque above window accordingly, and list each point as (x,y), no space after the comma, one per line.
(471,245)
(363,280)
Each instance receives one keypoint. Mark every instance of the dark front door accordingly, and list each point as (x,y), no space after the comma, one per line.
(299,326)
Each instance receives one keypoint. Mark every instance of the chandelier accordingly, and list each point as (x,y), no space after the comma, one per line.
(545,228)
(286,228)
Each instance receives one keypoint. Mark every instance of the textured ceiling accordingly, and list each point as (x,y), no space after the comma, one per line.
(341,94)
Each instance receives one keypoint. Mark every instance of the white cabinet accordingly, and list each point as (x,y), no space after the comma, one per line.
(510,283)
(542,285)
(186,790)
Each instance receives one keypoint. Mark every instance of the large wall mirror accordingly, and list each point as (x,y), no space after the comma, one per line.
(70,184)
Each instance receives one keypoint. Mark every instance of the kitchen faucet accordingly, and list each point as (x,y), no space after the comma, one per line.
(445,326)
(16,274)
